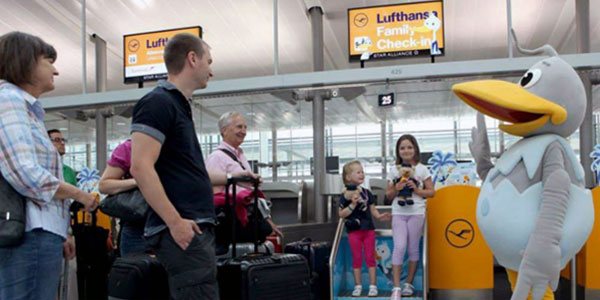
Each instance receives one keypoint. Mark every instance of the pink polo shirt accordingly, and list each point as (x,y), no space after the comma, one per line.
(220,161)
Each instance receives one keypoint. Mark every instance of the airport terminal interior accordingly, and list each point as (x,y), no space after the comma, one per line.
(293,70)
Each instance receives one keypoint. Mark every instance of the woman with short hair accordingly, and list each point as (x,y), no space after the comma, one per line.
(32,166)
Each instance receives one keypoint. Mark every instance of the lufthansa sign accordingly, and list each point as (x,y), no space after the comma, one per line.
(396,30)
(143,53)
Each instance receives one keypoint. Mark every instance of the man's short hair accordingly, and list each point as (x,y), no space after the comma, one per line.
(178,48)
(51,131)
(19,54)
(225,119)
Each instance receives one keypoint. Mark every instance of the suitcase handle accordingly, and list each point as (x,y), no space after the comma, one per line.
(233,181)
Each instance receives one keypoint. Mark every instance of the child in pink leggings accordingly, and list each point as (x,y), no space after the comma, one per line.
(359,225)
(407,220)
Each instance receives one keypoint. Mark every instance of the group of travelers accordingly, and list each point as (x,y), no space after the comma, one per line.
(163,159)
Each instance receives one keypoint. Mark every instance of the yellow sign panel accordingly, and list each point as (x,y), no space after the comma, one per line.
(396,30)
(144,53)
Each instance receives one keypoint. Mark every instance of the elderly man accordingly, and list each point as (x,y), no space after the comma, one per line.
(229,157)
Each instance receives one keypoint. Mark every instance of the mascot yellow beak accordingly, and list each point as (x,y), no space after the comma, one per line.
(511,103)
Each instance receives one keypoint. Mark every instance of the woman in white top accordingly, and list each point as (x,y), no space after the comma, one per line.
(408,217)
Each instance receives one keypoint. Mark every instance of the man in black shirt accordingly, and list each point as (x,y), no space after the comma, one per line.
(169,169)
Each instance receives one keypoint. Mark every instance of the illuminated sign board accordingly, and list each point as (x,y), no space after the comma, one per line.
(143,54)
(400,30)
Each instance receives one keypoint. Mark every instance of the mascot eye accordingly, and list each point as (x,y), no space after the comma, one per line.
(530,78)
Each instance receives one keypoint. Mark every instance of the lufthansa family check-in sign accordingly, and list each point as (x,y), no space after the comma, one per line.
(396,30)
(144,53)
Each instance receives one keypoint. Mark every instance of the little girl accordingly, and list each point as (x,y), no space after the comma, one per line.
(407,220)
(360,227)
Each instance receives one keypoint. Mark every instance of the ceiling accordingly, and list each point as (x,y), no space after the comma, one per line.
(240,33)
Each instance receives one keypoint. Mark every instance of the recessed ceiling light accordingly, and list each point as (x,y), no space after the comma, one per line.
(63,129)
(121,123)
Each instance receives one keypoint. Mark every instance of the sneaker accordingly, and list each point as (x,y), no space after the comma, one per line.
(410,202)
(401,202)
(396,294)
(357,291)
(407,289)
(373,292)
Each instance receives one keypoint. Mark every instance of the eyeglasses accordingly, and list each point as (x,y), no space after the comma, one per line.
(59,140)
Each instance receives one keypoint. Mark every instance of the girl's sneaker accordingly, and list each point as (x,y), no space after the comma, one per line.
(373,292)
(396,294)
(407,289)
(357,291)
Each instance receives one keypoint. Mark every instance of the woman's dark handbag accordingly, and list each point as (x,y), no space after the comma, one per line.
(127,206)
(12,215)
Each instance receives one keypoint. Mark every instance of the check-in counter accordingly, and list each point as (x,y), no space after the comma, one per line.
(286,198)
(378,187)
(588,261)
(461,266)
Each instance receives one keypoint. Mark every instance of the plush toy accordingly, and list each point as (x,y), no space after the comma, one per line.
(533,209)
(407,172)
(352,191)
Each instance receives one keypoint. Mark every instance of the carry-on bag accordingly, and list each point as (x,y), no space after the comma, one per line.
(261,276)
(138,276)
(317,254)
(93,262)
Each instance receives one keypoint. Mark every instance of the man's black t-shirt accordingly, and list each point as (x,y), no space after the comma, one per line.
(166,115)
(366,221)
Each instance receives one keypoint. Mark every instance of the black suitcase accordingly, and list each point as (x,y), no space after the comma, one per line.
(138,277)
(317,254)
(259,276)
(93,260)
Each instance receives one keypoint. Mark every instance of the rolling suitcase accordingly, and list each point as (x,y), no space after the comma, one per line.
(138,277)
(317,254)
(93,261)
(260,276)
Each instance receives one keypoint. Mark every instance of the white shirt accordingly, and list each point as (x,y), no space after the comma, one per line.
(421,174)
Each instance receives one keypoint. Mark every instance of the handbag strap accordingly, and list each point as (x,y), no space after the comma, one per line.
(7,216)
(230,154)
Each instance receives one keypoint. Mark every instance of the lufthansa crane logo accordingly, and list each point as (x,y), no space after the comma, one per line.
(361,20)
(460,233)
(133,45)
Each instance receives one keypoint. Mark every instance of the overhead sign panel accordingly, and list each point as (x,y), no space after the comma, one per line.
(399,30)
(143,53)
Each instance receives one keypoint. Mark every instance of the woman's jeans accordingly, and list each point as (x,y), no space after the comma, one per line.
(32,269)
(132,239)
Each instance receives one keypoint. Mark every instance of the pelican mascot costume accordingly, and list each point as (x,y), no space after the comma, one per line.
(533,209)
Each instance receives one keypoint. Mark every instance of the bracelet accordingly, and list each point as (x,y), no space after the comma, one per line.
(350,208)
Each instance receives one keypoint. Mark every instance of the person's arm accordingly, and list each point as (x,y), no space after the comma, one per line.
(19,163)
(274,227)
(344,212)
(144,154)
(111,182)
(68,191)
(390,192)
(220,178)
(427,191)
(379,216)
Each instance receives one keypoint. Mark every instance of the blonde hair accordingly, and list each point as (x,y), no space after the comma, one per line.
(348,169)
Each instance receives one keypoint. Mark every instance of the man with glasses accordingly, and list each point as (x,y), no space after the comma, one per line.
(59,142)
(69,176)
